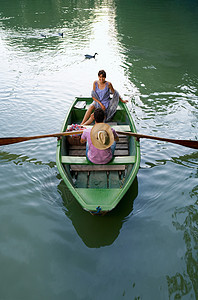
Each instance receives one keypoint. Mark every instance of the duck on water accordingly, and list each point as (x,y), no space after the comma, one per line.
(90,56)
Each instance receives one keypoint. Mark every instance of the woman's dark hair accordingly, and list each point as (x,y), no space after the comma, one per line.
(103,73)
(99,115)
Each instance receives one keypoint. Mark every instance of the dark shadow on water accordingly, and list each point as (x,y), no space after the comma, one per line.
(95,231)
(98,231)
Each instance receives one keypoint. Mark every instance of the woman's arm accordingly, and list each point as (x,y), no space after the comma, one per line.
(111,87)
(112,90)
(94,85)
(96,100)
(123,101)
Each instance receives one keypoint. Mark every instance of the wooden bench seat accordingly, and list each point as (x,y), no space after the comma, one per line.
(82,160)
(82,104)
(88,105)
(116,127)
(81,164)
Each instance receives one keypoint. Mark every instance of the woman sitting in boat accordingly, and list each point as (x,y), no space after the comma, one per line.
(101,96)
(101,140)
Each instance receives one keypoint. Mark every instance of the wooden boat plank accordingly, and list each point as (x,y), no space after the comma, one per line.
(82,180)
(122,146)
(76,147)
(122,140)
(118,146)
(86,168)
(98,180)
(121,152)
(78,152)
(114,180)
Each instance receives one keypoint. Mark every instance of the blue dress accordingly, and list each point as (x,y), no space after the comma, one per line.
(103,95)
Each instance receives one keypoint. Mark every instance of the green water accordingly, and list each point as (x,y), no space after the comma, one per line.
(147,248)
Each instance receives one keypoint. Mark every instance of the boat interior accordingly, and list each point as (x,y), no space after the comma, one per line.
(84,174)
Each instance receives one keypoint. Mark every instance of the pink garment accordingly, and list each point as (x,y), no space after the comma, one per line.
(95,155)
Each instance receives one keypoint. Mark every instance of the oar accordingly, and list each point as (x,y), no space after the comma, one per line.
(186,143)
(13,140)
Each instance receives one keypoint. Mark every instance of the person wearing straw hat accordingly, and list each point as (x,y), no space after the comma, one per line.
(101,140)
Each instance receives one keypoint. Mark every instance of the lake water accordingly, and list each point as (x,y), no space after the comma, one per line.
(147,248)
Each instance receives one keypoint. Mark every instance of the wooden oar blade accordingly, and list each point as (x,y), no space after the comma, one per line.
(186,143)
(12,140)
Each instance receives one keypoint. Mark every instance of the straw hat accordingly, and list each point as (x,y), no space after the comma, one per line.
(102,136)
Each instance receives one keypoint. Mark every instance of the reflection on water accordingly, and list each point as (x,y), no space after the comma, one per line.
(187,160)
(20,159)
(95,231)
(98,231)
(186,221)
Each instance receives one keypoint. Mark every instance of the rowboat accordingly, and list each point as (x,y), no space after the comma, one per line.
(98,188)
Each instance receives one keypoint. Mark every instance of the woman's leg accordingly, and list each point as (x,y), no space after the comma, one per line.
(87,114)
(90,120)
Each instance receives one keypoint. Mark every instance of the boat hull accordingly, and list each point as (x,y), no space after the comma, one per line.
(98,188)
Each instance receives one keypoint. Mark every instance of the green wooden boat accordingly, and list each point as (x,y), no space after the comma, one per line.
(98,188)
